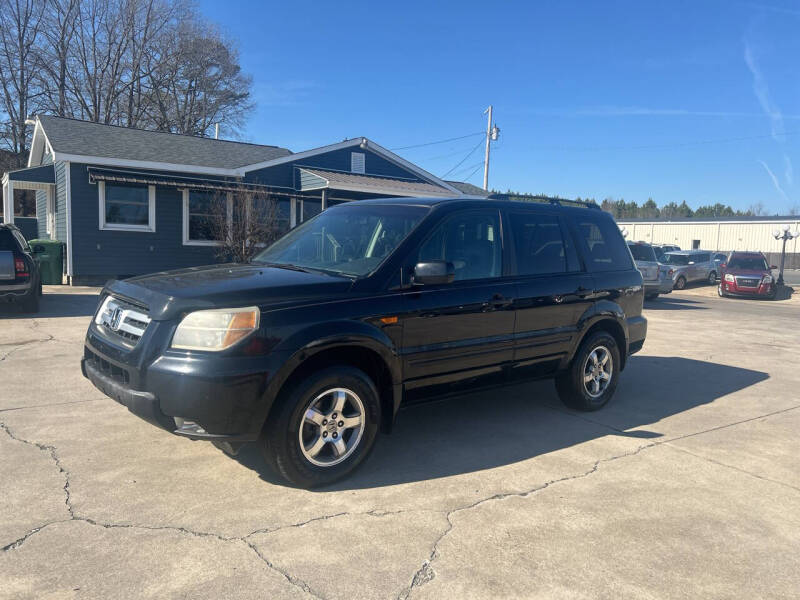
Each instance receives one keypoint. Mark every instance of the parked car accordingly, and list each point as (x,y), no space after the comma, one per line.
(313,347)
(747,274)
(655,277)
(20,280)
(661,249)
(691,265)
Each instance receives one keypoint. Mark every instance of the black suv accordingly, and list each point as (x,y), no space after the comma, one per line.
(20,280)
(313,347)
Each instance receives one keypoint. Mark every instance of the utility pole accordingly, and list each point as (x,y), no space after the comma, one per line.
(492,133)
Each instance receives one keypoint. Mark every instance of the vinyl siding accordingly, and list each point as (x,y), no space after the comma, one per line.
(120,253)
(61,201)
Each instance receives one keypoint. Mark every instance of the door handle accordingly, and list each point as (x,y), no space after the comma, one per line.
(499,301)
(582,292)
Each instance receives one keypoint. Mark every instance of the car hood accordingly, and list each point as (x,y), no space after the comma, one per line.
(170,293)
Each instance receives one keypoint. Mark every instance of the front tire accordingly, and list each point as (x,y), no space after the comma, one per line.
(591,379)
(712,278)
(323,428)
(720,293)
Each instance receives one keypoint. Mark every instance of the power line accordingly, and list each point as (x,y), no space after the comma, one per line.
(465,169)
(471,175)
(463,137)
(461,162)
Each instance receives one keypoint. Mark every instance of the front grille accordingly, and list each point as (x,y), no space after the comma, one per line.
(116,373)
(122,320)
(747,282)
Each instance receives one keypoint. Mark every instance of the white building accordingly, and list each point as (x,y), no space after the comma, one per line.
(720,234)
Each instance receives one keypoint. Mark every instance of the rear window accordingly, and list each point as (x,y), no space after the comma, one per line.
(642,252)
(603,245)
(539,245)
(676,259)
(7,241)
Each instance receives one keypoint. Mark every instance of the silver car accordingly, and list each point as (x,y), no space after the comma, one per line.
(691,265)
(654,275)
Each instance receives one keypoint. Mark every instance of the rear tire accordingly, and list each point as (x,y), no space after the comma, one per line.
(572,386)
(712,278)
(680,283)
(292,441)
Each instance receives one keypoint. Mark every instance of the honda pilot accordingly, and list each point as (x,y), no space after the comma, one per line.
(311,349)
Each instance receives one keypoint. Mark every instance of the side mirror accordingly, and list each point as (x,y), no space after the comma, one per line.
(723,265)
(773,266)
(434,272)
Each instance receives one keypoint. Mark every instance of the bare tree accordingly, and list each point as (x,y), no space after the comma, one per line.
(58,30)
(199,84)
(20,23)
(243,222)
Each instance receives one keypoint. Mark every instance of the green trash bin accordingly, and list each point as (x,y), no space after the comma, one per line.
(50,254)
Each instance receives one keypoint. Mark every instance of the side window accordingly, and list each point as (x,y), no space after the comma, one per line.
(469,240)
(603,245)
(703,258)
(539,244)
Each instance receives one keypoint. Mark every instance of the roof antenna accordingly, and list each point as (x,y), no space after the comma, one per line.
(216,131)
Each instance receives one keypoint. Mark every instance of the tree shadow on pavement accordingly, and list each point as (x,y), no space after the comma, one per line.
(55,305)
(673,303)
(487,429)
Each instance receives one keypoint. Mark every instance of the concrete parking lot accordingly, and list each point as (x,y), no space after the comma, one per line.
(687,485)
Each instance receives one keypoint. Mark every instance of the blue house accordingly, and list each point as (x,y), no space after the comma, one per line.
(127,201)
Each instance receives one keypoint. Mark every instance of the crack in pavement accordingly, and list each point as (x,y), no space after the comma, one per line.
(53,404)
(426,572)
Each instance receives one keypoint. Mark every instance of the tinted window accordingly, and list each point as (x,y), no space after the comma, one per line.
(676,259)
(659,252)
(469,240)
(7,242)
(539,244)
(642,252)
(353,240)
(701,258)
(603,244)
(127,204)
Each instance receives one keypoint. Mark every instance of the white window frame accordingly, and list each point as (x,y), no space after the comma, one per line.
(151,215)
(186,240)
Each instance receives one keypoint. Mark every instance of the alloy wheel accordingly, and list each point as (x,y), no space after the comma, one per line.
(597,371)
(333,424)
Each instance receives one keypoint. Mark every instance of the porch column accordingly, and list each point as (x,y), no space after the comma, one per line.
(8,200)
(293,213)
(324,203)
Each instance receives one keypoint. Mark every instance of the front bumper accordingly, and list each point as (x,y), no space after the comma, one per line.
(195,395)
(764,290)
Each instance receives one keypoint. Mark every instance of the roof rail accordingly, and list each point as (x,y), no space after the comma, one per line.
(568,202)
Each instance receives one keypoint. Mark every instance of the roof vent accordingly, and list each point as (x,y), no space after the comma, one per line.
(357,162)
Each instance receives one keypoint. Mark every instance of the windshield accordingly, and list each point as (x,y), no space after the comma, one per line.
(676,259)
(642,252)
(748,263)
(349,239)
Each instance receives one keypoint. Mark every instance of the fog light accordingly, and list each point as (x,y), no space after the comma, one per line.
(186,426)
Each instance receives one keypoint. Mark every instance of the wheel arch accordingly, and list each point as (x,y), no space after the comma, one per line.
(605,316)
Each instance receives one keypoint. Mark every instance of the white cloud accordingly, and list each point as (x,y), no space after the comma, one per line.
(761,90)
(775,181)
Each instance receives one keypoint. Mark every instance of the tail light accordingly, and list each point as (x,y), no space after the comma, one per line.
(20,268)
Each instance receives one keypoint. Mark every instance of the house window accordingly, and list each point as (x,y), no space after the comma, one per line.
(206,217)
(127,207)
(357,162)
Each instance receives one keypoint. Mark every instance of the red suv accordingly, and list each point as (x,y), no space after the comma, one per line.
(746,274)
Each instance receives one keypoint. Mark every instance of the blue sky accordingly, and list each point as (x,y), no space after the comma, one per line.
(681,100)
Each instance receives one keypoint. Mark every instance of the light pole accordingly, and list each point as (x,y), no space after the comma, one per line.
(784,235)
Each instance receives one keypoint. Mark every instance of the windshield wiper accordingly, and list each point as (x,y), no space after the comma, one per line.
(286,266)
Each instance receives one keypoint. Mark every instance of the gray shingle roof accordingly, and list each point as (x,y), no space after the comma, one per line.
(468,188)
(340,180)
(70,136)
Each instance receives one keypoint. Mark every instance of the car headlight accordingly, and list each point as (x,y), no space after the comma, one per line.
(728,277)
(767,279)
(215,330)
